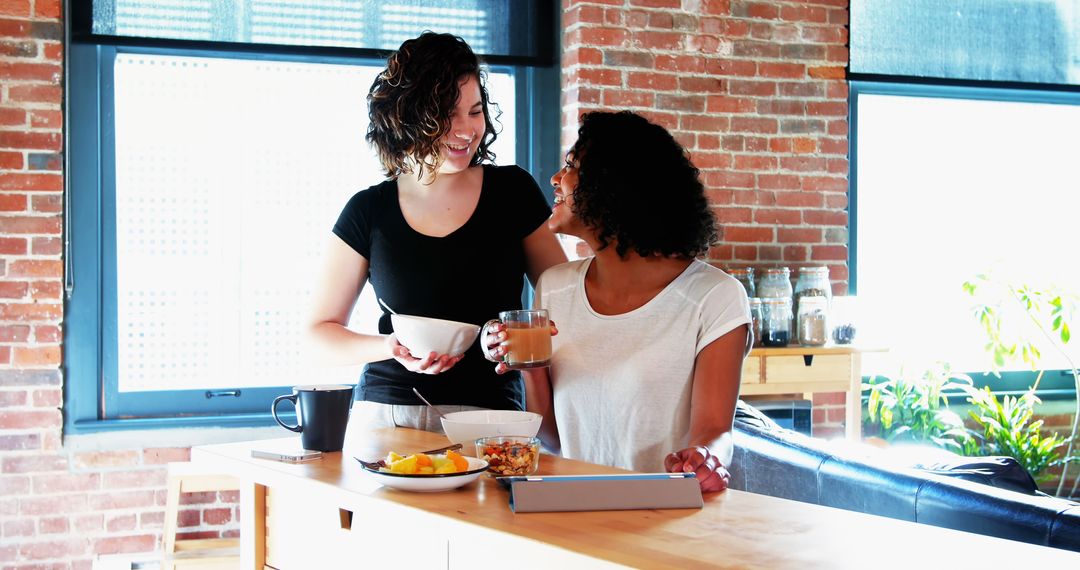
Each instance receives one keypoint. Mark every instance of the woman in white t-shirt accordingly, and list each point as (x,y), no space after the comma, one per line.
(645,371)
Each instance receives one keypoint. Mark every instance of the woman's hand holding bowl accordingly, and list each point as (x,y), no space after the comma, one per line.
(432,363)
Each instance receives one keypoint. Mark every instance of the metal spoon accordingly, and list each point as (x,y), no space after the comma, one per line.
(429,404)
(387,307)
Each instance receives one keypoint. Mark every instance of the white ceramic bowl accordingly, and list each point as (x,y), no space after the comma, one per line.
(466,427)
(430,483)
(424,335)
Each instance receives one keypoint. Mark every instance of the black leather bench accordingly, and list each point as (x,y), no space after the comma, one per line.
(992,496)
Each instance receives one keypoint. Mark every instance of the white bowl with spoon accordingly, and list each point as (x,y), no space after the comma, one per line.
(424,335)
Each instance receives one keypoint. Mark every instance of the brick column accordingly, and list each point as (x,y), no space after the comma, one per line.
(58,508)
(31,278)
(755,90)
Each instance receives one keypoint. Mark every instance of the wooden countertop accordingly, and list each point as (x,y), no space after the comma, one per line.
(735,529)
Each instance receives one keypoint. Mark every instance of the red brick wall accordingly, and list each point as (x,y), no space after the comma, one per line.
(58,508)
(755,90)
(1058,419)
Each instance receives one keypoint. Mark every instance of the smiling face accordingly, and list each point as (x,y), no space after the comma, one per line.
(562,218)
(467,127)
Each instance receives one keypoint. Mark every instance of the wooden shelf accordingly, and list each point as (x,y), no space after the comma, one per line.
(808,370)
(800,350)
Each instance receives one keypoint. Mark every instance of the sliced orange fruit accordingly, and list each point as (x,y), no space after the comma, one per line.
(459,460)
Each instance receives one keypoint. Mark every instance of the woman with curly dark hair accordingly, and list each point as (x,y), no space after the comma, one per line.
(424,238)
(646,367)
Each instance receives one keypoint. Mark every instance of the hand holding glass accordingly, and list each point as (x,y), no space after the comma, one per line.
(528,339)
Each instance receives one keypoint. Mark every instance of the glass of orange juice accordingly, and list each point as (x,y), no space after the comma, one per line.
(528,338)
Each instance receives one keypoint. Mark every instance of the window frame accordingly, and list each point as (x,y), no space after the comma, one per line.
(90,335)
(1056,383)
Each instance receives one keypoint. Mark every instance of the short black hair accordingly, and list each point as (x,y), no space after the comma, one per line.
(411,101)
(637,187)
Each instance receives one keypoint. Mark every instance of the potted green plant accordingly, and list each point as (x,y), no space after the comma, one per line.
(916,408)
(1049,312)
(1007,429)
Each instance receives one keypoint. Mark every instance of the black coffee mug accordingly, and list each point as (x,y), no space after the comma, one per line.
(322,414)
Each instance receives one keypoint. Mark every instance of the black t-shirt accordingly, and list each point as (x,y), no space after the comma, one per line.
(469,276)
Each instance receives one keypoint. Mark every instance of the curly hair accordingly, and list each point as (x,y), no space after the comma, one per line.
(637,188)
(411,101)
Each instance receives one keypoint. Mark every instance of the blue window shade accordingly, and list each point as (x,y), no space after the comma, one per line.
(491,27)
(1028,41)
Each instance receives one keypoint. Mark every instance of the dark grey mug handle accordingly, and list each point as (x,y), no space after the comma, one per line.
(273,411)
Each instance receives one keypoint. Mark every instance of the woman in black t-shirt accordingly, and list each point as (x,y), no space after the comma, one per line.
(432,239)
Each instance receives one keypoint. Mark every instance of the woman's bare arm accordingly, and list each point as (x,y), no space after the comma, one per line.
(717,376)
(539,399)
(343,276)
(542,250)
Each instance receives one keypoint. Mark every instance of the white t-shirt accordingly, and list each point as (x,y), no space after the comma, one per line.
(622,383)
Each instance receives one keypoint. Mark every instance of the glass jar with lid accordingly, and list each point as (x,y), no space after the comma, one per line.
(813,323)
(756,319)
(745,275)
(813,282)
(775,282)
(776,321)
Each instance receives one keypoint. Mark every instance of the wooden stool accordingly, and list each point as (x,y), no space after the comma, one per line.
(201,553)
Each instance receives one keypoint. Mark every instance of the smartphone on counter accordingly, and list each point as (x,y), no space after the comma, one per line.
(293,456)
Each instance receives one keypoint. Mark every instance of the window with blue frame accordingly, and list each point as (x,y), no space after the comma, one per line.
(212,146)
(964,117)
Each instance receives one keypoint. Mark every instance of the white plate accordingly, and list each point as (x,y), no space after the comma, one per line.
(430,483)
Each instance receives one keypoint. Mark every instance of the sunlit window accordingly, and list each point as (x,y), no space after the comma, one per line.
(212,146)
(229,175)
(952,183)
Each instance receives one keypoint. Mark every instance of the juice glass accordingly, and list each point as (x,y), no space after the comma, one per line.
(528,338)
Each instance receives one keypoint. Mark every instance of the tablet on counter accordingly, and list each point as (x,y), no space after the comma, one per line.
(608,492)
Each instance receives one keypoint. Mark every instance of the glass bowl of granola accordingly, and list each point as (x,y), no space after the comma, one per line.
(509,454)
